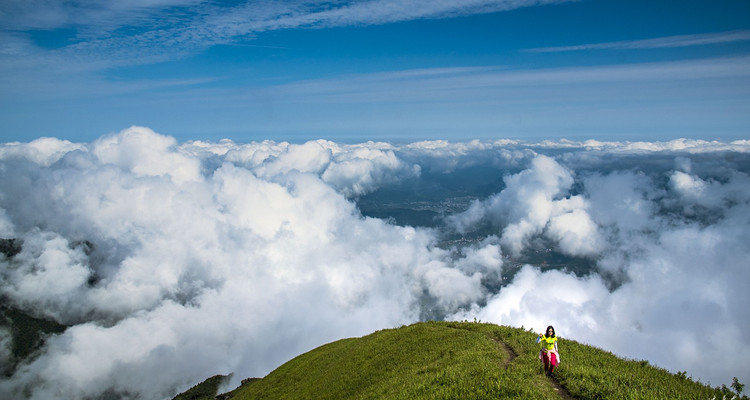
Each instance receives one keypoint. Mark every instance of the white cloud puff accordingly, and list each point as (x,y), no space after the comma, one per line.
(145,153)
(576,233)
(353,170)
(486,257)
(48,274)
(358,170)
(536,200)
(536,299)
(43,151)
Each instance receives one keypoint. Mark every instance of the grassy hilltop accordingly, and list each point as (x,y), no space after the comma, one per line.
(460,360)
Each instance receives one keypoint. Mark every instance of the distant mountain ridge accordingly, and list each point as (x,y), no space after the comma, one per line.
(460,360)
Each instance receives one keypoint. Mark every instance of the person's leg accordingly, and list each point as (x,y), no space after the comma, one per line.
(552,362)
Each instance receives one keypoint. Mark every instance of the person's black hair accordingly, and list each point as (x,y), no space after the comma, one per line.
(546,333)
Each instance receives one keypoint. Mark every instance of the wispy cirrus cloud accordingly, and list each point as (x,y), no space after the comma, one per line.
(92,19)
(152,30)
(375,12)
(91,36)
(493,83)
(655,43)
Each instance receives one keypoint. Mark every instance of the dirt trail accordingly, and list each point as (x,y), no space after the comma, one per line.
(511,354)
(559,389)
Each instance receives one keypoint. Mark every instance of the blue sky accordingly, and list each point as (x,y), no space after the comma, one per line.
(376,70)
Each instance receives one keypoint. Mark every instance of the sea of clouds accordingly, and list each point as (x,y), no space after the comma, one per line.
(172,262)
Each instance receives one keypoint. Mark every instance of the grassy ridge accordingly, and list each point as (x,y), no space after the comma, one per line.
(206,390)
(422,361)
(463,360)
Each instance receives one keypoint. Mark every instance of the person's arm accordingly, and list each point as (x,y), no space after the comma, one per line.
(557,352)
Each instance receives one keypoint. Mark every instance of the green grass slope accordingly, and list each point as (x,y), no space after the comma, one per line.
(464,360)
(205,390)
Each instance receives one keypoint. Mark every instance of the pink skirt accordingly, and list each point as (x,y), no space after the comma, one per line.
(550,358)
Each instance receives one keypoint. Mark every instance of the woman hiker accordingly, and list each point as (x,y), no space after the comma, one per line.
(549,354)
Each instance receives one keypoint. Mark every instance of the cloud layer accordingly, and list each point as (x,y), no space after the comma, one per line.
(200,258)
